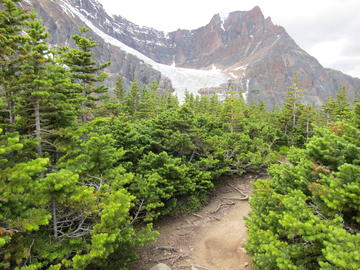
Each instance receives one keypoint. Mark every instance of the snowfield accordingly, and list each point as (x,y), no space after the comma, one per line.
(183,79)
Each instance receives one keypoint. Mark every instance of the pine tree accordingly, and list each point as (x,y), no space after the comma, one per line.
(12,23)
(133,99)
(232,111)
(120,90)
(214,104)
(290,112)
(35,87)
(337,109)
(84,70)
(48,97)
(150,101)
(21,209)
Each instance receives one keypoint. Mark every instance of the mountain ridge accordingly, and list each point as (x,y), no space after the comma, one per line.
(243,50)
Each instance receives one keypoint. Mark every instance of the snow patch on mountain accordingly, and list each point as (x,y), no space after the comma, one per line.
(183,79)
(66,9)
(241,67)
(223,17)
(246,93)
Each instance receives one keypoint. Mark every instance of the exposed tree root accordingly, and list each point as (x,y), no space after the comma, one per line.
(246,197)
(220,206)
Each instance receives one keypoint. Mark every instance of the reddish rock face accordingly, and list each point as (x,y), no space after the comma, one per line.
(259,57)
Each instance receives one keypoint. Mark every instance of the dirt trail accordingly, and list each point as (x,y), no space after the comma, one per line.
(205,240)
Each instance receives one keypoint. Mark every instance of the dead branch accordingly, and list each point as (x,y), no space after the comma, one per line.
(184,266)
(219,207)
(196,215)
(192,155)
(216,218)
(237,199)
(180,257)
(49,132)
(189,222)
(191,226)
(8,231)
(183,234)
(29,256)
(166,248)
(200,266)
(137,213)
(164,259)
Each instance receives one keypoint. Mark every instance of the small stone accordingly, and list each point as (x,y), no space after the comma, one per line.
(160,266)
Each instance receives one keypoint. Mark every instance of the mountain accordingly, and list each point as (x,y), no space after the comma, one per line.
(242,51)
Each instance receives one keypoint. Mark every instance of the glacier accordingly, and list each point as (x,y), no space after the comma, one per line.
(183,79)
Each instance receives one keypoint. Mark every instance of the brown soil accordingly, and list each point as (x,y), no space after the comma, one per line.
(205,240)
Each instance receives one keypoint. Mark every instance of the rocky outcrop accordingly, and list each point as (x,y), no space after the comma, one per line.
(61,23)
(242,49)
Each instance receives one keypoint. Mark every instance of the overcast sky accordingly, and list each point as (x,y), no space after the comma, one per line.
(327,29)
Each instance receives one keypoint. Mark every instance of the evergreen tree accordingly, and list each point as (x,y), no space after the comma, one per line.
(84,70)
(12,23)
(21,210)
(120,90)
(232,111)
(48,97)
(133,99)
(307,216)
(150,102)
(35,87)
(337,109)
(290,113)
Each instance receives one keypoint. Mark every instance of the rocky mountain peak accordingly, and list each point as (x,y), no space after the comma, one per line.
(242,49)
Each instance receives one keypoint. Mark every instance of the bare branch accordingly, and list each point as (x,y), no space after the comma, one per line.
(137,213)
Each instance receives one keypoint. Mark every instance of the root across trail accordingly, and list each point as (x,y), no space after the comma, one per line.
(211,239)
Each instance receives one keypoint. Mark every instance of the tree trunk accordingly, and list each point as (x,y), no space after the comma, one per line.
(54,218)
(38,128)
(11,107)
(83,108)
(307,129)
(294,115)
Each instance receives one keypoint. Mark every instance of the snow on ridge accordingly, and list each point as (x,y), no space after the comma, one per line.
(241,67)
(87,13)
(183,79)
(66,9)
(223,17)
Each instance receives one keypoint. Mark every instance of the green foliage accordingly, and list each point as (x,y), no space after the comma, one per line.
(191,204)
(21,211)
(338,109)
(306,217)
(296,120)
(12,23)
(83,175)
(84,71)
